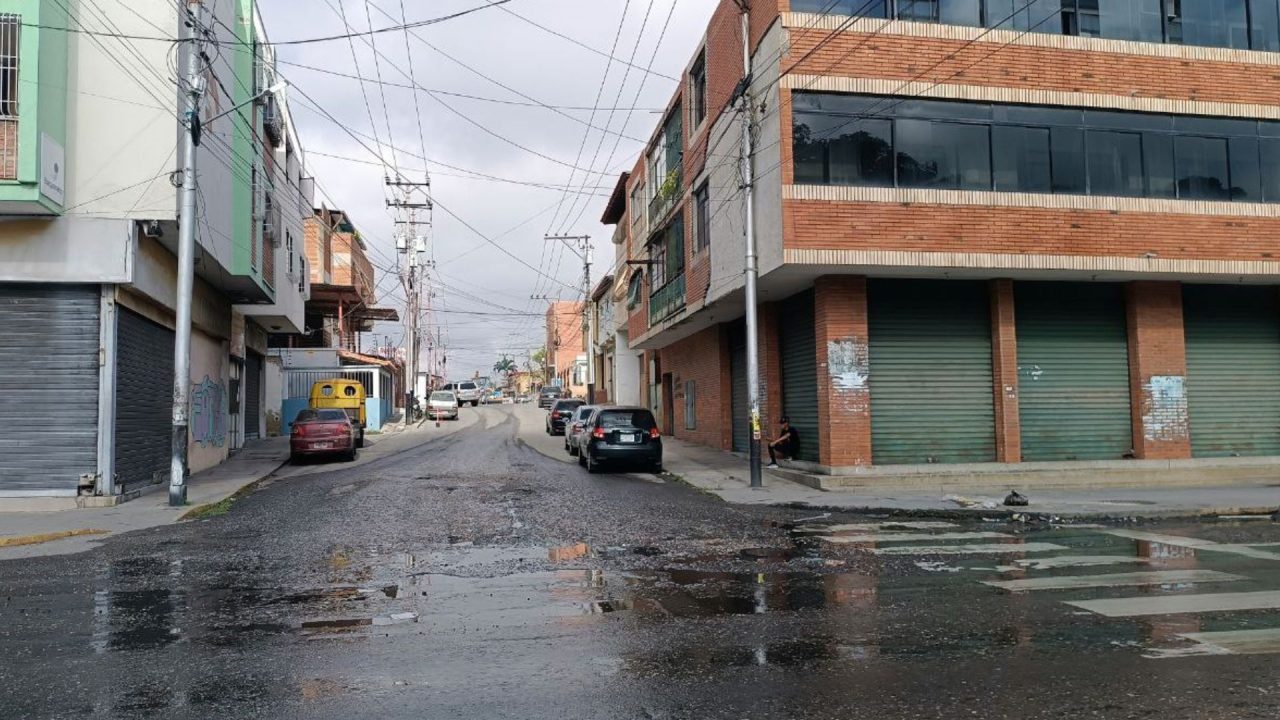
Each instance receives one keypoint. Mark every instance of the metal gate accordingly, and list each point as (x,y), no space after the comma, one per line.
(1233,369)
(739,400)
(48,388)
(252,395)
(931,387)
(144,400)
(1073,371)
(797,350)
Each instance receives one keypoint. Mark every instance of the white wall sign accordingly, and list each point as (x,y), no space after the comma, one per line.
(53,169)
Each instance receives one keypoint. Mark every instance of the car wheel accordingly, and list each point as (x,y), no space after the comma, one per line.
(360,439)
(351,456)
(573,450)
(593,467)
(582,459)
(656,468)
(475,403)
(295,459)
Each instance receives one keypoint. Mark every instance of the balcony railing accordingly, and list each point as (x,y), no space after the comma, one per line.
(665,195)
(8,148)
(667,300)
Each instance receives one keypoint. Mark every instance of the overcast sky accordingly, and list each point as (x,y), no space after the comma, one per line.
(521,142)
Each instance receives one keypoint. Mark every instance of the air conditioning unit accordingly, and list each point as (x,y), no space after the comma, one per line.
(273,121)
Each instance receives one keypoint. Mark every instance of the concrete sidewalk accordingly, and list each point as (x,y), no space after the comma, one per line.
(33,534)
(725,475)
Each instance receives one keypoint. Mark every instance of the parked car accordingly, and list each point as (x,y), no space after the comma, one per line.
(443,404)
(560,413)
(469,392)
(621,436)
(548,396)
(322,432)
(573,428)
(346,395)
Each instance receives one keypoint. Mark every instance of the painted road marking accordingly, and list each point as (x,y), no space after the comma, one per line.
(1195,543)
(912,537)
(1153,577)
(1262,641)
(975,549)
(1066,561)
(1177,604)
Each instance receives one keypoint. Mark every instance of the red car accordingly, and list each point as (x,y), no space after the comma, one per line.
(322,433)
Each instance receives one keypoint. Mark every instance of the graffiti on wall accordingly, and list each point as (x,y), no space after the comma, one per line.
(209,413)
(1164,408)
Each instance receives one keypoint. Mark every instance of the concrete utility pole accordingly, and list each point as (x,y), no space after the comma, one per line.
(186,261)
(751,271)
(581,244)
(413,246)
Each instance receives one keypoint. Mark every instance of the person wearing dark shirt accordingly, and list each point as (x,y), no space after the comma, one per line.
(786,446)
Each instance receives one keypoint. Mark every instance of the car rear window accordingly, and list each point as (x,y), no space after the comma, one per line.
(583,412)
(642,419)
(562,405)
(331,415)
(442,396)
(468,386)
(306,415)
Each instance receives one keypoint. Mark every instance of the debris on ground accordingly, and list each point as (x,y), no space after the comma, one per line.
(966,502)
(1016,499)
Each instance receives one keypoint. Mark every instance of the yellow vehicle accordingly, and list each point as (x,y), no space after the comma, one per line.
(346,395)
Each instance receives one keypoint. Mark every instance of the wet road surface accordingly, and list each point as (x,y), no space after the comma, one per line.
(474,578)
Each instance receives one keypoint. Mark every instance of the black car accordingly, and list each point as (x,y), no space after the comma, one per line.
(548,396)
(622,436)
(560,413)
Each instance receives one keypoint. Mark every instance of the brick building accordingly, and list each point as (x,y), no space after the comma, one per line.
(566,353)
(989,232)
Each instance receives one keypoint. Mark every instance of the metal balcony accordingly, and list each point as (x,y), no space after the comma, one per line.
(666,300)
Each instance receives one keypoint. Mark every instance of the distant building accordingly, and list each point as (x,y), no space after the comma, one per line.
(566,357)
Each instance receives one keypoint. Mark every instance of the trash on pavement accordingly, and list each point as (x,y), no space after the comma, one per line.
(1016,499)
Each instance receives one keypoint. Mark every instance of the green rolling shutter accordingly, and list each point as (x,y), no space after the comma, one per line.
(796,341)
(931,391)
(1073,371)
(1233,369)
(738,374)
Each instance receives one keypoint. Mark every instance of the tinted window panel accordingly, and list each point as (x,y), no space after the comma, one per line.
(641,419)
(1021,158)
(810,150)
(1214,126)
(943,155)
(1202,168)
(1157,152)
(1109,120)
(1028,115)
(1115,163)
(940,110)
(1214,23)
(1246,176)
(862,154)
(922,10)
(1130,20)
(1264,22)
(1067,145)
(961,12)
(868,8)
(1271,169)
(1035,15)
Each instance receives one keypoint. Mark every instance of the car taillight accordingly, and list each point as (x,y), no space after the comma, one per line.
(299,430)
(653,433)
(598,433)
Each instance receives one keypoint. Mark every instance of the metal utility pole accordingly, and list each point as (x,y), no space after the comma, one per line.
(751,271)
(581,244)
(413,246)
(186,261)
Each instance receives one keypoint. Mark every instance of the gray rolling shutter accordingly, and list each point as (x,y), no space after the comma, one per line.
(1233,369)
(738,373)
(1073,371)
(144,400)
(931,387)
(48,387)
(252,395)
(799,371)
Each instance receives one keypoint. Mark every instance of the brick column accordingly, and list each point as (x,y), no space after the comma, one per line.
(844,395)
(770,369)
(1157,370)
(1004,367)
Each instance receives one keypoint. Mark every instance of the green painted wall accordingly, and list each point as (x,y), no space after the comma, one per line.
(42,95)
(245,232)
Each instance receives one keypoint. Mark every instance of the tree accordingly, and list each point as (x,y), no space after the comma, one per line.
(539,365)
(505,366)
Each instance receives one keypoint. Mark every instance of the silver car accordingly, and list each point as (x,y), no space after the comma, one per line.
(469,392)
(573,429)
(443,404)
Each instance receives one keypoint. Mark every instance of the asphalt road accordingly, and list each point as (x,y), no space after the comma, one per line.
(472,577)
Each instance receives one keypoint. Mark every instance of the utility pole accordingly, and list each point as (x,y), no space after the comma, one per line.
(581,245)
(751,270)
(411,244)
(186,261)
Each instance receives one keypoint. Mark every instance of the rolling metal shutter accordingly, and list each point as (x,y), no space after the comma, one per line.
(738,373)
(799,372)
(48,387)
(1233,370)
(144,401)
(931,387)
(1073,371)
(252,395)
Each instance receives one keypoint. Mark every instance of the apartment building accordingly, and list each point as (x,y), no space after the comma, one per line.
(566,351)
(89,128)
(990,233)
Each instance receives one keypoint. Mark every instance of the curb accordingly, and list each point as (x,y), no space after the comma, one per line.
(40,538)
(1002,513)
(243,490)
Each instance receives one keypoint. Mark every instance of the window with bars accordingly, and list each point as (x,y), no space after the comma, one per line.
(10,33)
